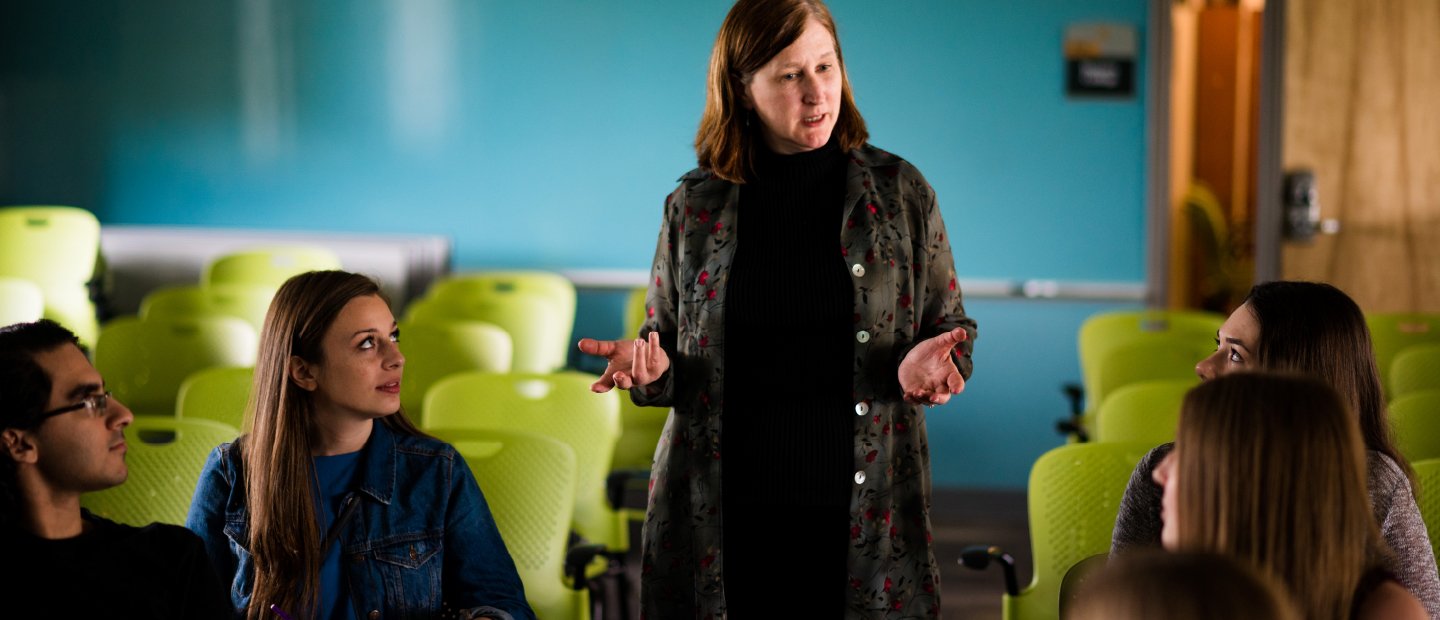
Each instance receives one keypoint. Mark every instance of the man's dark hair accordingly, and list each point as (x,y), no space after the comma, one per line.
(24,392)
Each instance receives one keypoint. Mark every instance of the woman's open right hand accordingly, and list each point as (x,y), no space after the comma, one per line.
(630,362)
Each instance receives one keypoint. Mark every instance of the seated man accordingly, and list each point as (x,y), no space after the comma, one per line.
(60,436)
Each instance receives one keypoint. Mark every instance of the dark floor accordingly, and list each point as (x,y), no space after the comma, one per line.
(961,517)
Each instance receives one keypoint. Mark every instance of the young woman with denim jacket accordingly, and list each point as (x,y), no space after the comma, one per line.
(334,505)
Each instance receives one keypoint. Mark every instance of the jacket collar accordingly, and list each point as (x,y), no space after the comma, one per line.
(378,477)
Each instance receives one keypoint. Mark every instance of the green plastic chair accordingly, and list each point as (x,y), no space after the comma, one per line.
(1102,334)
(434,351)
(543,283)
(1169,357)
(20,301)
(558,405)
(1073,498)
(641,426)
(165,456)
(268,266)
(145,361)
(529,482)
(1145,412)
(1415,420)
(56,248)
(1415,368)
(1392,332)
(247,302)
(1427,495)
(216,394)
(537,309)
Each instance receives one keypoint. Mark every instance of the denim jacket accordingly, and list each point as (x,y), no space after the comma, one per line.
(422,533)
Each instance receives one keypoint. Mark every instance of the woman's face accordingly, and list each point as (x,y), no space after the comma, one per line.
(360,374)
(1164,475)
(797,94)
(1235,345)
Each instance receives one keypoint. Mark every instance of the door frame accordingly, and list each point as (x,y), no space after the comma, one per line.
(1269,130)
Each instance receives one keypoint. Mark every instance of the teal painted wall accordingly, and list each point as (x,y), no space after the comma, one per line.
(545,134)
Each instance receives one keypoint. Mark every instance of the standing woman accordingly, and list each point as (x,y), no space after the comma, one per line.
(332,470)
(1316,330)
(802,306)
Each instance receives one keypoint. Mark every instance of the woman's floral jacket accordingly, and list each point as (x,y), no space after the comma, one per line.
(897,251)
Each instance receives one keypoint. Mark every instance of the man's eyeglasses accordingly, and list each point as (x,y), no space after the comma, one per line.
(96,404)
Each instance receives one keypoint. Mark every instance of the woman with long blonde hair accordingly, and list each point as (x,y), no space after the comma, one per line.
(333,503)
(1270,469)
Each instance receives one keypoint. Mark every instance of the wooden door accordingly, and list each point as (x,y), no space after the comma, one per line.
(1362,109)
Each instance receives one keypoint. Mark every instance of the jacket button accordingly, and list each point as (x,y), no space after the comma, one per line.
(862,336)
(357,558)
(374,614)
(858,270)
(859,477)
(862,408)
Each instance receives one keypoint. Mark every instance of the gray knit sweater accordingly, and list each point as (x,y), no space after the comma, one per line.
(1138,524)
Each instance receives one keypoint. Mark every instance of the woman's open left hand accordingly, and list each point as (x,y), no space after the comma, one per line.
(927,376)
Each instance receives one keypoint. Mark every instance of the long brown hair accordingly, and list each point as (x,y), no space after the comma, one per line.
(279,421)
(754,32)
(1272,471)
(1315,329)
(1181,586)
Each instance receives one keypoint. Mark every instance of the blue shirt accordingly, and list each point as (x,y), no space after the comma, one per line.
(421,538)
(334,478)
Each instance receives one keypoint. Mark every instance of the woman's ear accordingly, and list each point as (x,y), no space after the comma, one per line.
(302,374)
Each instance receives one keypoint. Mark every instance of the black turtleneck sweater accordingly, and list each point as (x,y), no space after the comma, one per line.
(788,421)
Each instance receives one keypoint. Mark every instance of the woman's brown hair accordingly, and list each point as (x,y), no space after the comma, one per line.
(1180,586)
(279,422)
(1271,470)
(754,32)
(1315,329)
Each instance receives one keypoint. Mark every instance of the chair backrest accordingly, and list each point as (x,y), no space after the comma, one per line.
(165,456)
(57,249)
(1415,420)
(1427,479)
(54,247)
(1392,332)
(545,283)
(1415,368)
(247,302)
(217,394)
(144,362)
(537,309)
(434,351)
(1145,412)
(558,405)
(20,301)
(1168,357)
(1074,496)
(268,266)
(529,483)
(635,312)
(1102,333)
